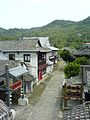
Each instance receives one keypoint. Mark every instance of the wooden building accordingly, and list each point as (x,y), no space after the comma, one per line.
(72,90)
(83,52)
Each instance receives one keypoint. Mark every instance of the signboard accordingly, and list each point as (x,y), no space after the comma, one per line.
(16,85)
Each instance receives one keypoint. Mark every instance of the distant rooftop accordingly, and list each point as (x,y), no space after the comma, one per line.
(84,51)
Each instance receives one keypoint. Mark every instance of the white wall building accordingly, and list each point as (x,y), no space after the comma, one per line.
(28,51)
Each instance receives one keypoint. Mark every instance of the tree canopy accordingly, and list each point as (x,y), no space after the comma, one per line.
(66,56)
(72,69)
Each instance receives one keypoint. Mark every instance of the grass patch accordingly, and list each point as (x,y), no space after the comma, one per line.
(38,90)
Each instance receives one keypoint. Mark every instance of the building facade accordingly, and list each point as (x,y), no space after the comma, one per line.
(28,51)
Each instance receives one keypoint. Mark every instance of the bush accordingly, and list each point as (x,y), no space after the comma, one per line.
(72,69)
(81,61)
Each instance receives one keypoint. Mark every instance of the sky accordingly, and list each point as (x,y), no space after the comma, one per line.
(36,13)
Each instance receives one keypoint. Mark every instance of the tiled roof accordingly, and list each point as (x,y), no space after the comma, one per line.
(78,112)
(53,48)
(15,69)
(5,112)
(83,51)
(41,49)
(44,41)
(18,45)
(22,45)
(11,64)
(18,71)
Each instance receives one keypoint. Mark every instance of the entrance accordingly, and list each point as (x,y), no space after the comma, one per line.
(87,96)
(40,75)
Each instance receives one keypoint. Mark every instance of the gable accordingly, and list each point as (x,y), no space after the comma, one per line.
(43,41)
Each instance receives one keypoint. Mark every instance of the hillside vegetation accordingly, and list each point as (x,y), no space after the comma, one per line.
(61,33)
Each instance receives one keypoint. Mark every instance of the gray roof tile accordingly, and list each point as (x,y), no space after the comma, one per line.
(21,45)
(11,64)
(79,112)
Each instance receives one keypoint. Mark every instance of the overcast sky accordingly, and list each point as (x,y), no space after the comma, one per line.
(36,13)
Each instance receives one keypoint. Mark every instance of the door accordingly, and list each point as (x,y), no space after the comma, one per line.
(40,75)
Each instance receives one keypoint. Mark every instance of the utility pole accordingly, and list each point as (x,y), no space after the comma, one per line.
(7,86)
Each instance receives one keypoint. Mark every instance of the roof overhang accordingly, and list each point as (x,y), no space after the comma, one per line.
(53,48)
(16,72)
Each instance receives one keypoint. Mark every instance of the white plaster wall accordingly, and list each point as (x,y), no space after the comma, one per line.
(47,56)
(34,65)
(49,68)
(33,69)
(2,56)
(17,56)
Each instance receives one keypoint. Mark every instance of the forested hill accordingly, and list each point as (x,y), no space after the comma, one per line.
(61,32)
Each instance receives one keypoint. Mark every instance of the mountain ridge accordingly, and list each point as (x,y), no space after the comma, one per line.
(61,32)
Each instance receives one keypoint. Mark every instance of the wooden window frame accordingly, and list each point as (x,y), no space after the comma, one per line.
(27,57)
(11,56)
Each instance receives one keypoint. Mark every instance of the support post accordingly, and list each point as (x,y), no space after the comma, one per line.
(7,86)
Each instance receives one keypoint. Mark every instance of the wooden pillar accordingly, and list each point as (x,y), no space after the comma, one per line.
(7,86)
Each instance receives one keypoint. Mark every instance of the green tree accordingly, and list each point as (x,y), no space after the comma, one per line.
(66,56)
(72,69)
(82,61)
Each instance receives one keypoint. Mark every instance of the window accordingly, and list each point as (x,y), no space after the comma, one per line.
(11,56)
(27,57)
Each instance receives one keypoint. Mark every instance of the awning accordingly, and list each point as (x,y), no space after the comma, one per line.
(18,71)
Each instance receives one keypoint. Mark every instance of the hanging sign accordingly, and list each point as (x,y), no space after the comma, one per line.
(16,85)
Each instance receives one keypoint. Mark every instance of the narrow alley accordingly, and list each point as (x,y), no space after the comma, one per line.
(47,107)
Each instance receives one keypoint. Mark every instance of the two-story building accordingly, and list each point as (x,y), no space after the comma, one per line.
(44,41)
(28,51)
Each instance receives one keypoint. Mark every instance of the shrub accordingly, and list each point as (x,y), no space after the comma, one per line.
(81,61)
(72,69)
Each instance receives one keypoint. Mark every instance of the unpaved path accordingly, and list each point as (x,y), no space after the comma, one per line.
(48,106)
